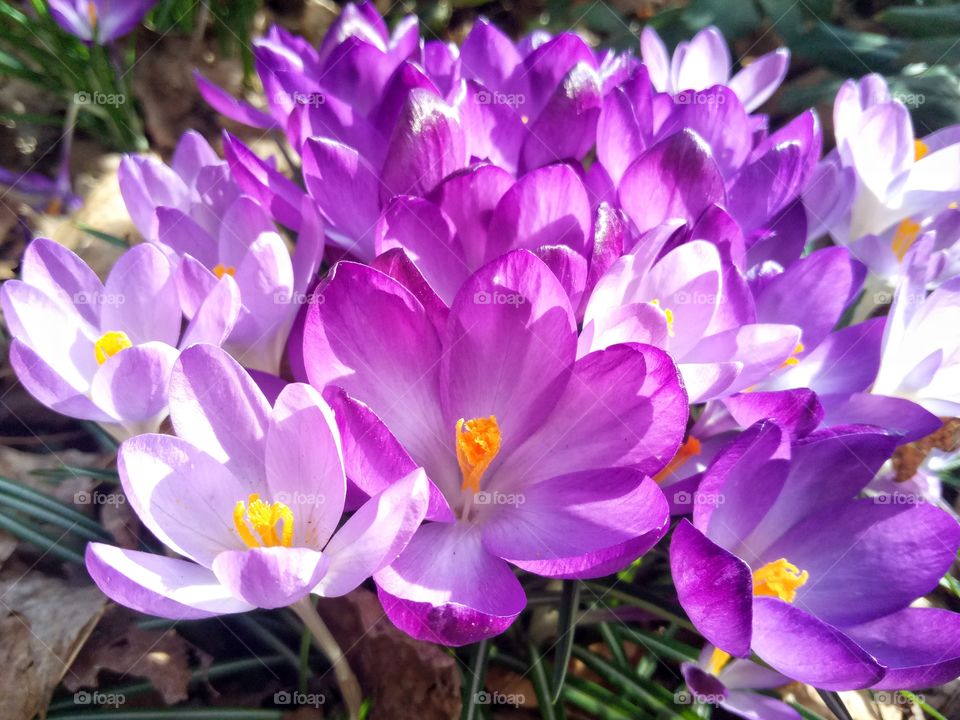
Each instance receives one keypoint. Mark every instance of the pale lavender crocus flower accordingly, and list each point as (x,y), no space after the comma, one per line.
(104,351)
(920,355)
(879,190)
(693,303)
(704,61)
(251,497)
(199,216)
(99,21)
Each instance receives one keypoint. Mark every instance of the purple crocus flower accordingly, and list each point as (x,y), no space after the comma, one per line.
(104,351)
(251,497)
(99,21)
(716,679)
(543,460)
(663,158)
(478,214)
(704,61)
(52,196)
(782,559)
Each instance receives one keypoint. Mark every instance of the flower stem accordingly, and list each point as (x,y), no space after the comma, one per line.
(327,644)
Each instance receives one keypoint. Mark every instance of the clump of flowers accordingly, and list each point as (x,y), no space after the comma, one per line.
(515,305)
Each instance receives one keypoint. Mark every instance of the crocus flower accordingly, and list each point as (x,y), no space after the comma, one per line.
(251,496)
(704,61)
(796,411)
(104,351)
(53,196)
(543,460)
(663,158)
(196,213)
(197,183)
(861,191)
(99,21)
(694,304)
(478,214)
(716,679)
(273,284)
(920,356)
(783,559)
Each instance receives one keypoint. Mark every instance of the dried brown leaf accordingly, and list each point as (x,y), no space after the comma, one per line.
(44,623)
(118,645)
(407,679)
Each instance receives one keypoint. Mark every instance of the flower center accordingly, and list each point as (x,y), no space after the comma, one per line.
(478,442)
(109,344)
(779,579)
(905,236)
(221,270)
(690,449)
(667,313)
(793,360)
(92,12)
(262,519)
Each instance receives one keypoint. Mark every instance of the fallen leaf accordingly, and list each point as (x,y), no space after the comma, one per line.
(44,622)
(118,645)
(407,679)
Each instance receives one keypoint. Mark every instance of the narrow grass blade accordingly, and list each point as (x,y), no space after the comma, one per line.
(569,607)
(538,676)
(835,704)
(49,545)
(478,670)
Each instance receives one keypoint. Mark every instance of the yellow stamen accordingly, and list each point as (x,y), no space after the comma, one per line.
(920,150)
(691,448)
(92,12)
(779,579)
(667,313)
(718,659)
(478,442)
(109,344)
(263,518)
(221,270)
(792,360)
(903,239)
